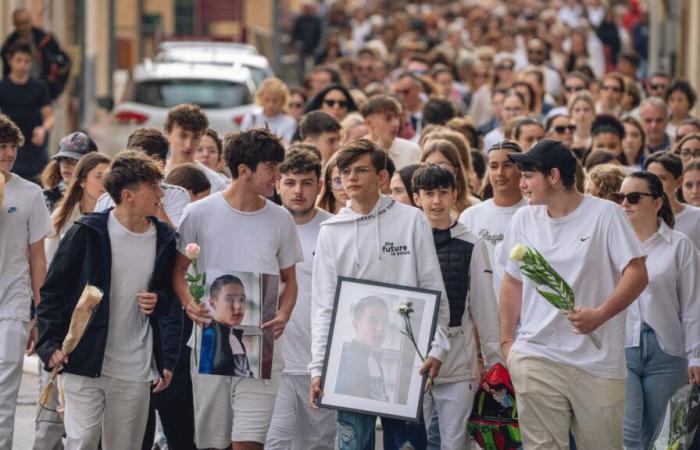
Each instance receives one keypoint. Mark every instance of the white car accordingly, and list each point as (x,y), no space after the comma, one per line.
(224,93)
(218,53)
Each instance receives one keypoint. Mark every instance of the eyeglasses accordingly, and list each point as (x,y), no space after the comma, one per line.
(561,129)
(336,184)
(632,197)
(332,103)
(574,88)
(690,152)
(295,105)
(611,88)
(359,171)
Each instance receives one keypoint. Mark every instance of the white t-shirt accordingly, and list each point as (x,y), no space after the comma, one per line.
(297,351)
(489,221)
(404,153)
(24,220)
(589,248)
(129,350)
(262,241)
(670,303)
(281,124)
(688,223)
(175,199)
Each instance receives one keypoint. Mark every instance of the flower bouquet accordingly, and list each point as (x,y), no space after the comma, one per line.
(405,308)
(196,282)
(679,425)
(548,283)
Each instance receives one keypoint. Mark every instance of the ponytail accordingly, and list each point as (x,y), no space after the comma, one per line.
(666,213)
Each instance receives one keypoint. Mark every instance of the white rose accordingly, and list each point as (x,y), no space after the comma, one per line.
(518,252)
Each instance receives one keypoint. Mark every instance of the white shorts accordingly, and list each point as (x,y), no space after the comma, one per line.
(233,409)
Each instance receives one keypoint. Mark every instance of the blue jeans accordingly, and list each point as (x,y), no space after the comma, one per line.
(356,432)
(434,432)
(652,377)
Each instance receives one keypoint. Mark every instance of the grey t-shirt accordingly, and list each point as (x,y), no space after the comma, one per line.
(129,350)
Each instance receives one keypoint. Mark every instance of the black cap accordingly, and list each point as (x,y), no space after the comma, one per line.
(75,146)
(549,154)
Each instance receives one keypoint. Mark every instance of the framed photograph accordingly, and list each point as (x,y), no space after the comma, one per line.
(234,344)
(371,365)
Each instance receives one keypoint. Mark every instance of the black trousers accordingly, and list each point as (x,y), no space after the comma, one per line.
(175,408)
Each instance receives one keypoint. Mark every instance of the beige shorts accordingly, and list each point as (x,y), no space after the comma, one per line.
(234,409)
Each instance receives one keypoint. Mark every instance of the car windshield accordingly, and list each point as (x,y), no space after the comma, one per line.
(210,94)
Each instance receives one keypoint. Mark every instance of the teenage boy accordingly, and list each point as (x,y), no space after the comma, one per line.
(154,144)
(26,102)
(563,382)
(489,219)
(294,424)
(184,127)
(358,243)
(24,223)
(466,272)
(382,115)
(239,230)
(128,254)
(320,129)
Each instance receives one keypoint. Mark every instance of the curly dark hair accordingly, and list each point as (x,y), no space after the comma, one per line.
(187,116)
(128,168)
(251,147)
(302,158)
(9,132)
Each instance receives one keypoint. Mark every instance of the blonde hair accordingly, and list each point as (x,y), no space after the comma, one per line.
(606,179)
(585,96)
(274,86)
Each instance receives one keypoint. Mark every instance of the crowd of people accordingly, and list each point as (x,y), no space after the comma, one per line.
(452,129)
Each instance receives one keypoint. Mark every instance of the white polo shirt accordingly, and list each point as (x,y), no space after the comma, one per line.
(670,303)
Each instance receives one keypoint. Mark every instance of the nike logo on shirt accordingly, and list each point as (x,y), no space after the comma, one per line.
(585,239)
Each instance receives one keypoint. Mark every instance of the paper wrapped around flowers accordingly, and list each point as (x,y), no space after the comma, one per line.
(2,188)
(82,315)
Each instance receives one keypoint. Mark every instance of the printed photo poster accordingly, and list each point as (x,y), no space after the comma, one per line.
(371,366)
(234,344)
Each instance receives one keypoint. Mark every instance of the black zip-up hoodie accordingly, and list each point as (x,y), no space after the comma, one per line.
(84,257)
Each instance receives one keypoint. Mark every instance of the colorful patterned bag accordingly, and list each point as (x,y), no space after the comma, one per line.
(494,420)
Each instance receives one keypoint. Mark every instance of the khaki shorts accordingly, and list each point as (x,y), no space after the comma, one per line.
(234,409)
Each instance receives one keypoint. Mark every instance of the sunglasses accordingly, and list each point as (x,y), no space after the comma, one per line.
(657,86)
(561,129)
(332,103)
(574,88)
(632,198)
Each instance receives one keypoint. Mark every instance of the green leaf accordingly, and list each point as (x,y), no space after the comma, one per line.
(554,299)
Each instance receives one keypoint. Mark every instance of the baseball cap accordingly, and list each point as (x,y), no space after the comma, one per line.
(75,146)
(547,153)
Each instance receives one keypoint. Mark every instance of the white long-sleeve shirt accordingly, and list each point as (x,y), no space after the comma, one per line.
(670,304)
(363,247)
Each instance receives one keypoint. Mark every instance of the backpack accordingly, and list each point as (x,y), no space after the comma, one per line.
(493,423)
(56,66)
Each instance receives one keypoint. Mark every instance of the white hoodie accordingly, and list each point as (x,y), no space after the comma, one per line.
(391,244)
(481,310)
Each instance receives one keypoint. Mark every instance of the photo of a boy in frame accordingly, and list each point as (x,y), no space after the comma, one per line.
(223,351)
